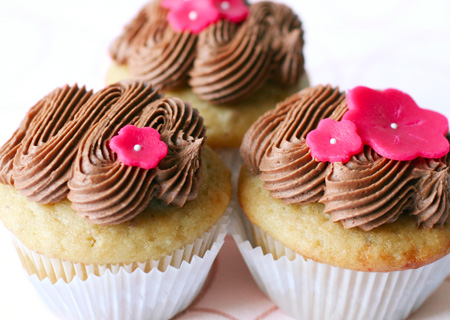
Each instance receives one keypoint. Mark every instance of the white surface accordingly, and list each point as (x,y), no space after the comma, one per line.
(386,43)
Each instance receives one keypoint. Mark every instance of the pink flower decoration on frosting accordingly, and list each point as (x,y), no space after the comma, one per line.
(192,15)
(394,126)
(233,10)
(334,141)
(196,15)
(171,4)
(139,147)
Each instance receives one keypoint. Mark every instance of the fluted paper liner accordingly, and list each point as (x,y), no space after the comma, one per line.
(306,290)
(148,290)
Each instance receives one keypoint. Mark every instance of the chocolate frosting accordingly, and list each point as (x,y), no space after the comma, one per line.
(223,63)
(62,149)
(433,200)
(368,191)
(275,146)
(9,149)
(42,162)
(365,192)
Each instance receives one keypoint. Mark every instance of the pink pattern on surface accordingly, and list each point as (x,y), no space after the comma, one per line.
(267,313)
(334,141)
(140,147)
(230,282)
(394,126)
(211,311)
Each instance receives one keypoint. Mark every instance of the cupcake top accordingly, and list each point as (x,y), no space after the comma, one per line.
(64,148)
(369,156)
(225,50)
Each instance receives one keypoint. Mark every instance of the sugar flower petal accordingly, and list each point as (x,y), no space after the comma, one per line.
(171,4)
(393,124)
(233,10)
(334,141)
(193,16)
(139,147)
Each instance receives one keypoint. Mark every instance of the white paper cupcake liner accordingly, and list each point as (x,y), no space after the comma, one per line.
(305,289)
(150,290)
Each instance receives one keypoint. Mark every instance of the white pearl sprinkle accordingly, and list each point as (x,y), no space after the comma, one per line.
(333,141)
(225,5)
(193,15)
(137,147)
(394,126)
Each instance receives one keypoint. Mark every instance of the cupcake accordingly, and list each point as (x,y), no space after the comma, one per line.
(231,60)
(346,202)
(114,203)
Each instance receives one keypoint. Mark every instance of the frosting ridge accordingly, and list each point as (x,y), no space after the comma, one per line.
(41,164)
(368,191)
(432,191)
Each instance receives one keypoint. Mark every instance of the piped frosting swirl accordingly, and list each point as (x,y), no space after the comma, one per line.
(368,191)
(42,161)
(62,149)
(365,192)
(225,62)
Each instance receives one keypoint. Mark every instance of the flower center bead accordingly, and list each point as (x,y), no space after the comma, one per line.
(193,15)
(137,147)
(225,5)
(394,125)
(333,141)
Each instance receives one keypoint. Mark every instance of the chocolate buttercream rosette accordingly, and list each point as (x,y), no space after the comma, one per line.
(232,60)
(328,207)
(84,220)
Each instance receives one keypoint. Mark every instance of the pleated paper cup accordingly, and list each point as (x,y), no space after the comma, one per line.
(306,290)
(155,289)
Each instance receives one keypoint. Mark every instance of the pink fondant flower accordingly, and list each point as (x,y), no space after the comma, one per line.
(171,4)
(394,126)
(196,15)
(334,141)
(140,147)
(193,16)
(233,10)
